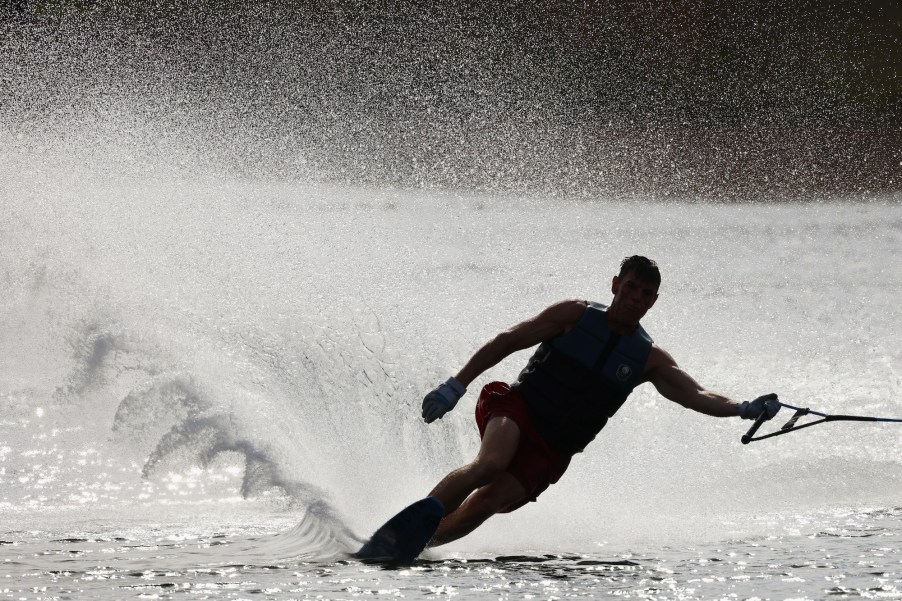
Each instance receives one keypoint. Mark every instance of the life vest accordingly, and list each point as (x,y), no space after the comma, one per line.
(573,383)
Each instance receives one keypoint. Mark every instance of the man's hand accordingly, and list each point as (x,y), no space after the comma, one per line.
(763,404)
(442,400)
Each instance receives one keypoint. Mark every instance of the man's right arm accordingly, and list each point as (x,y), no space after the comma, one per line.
(553,321)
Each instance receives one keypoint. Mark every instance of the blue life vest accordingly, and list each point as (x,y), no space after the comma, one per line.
(575,382)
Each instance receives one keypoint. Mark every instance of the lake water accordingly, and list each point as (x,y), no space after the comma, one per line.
(210,388)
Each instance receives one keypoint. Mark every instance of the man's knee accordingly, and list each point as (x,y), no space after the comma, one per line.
(487,469)
(494,498)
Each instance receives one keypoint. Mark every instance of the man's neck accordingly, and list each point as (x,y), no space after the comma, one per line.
(624,328)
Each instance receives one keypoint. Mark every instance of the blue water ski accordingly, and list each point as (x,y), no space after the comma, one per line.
(404,537)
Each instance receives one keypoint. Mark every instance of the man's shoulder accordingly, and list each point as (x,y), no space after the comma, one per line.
(567,307)
(658,357)
(564,314)
(568,310)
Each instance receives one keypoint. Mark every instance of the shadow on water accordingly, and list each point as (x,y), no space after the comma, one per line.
(549,565)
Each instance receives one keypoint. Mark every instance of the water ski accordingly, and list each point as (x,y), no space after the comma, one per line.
(402,538)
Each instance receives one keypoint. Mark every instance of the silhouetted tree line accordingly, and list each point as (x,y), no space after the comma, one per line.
(686,95)
(697,61)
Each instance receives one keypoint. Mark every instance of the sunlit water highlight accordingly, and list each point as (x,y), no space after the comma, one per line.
(210,388)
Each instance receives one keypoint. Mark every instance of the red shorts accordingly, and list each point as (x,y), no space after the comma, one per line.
(535,465)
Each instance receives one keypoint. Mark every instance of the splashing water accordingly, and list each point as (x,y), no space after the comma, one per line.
(229,340)
(206,364)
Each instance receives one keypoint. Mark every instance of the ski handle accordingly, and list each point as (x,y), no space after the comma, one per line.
(747,437)
(791,426)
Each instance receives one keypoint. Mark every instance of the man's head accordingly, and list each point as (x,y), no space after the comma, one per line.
(643,268)
(635,289)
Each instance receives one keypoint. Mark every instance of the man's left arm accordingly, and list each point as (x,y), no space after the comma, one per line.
(678,386)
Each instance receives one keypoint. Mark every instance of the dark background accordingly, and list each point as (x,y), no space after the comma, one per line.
(686,99)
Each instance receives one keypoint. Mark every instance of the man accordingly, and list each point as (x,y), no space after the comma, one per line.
(590,359)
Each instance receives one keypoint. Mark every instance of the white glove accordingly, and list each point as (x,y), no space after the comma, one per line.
(442,400)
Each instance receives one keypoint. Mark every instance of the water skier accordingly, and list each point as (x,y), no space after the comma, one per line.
(590,358)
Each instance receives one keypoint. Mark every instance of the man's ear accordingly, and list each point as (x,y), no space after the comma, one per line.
(615,284)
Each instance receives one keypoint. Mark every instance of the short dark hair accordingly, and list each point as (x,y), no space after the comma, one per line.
(642,267)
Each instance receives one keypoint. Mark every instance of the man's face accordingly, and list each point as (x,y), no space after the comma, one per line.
(632,297)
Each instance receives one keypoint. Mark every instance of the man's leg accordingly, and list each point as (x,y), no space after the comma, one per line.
(505,490)
(499,444)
